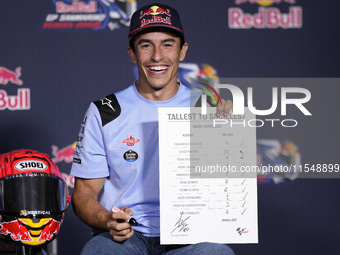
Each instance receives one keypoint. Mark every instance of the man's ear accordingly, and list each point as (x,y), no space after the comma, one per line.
(183,51)
(132,55)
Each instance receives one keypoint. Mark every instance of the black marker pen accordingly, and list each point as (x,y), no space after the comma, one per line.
(132,220)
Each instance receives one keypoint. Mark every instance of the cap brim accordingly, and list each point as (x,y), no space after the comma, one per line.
(156,28)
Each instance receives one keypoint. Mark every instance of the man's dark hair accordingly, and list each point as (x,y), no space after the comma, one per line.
(158,29)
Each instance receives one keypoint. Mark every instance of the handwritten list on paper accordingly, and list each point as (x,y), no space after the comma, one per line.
(207,193)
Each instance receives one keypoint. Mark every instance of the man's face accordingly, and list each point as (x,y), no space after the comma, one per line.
(157,55)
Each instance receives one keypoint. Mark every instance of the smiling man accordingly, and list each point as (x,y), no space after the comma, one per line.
(157,55)
(117,149)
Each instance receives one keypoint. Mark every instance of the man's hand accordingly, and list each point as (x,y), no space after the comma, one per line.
(224,108)
(117,223)
(90,211)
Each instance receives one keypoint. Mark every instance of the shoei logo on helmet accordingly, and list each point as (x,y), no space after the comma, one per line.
(25,165)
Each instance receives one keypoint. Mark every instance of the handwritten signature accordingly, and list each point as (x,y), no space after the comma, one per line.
(181,224)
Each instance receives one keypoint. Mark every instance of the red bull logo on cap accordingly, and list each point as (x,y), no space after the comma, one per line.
(155,11)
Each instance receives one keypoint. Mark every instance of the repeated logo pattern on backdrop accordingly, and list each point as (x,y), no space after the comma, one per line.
(90,14)
(21,100)
(271,14)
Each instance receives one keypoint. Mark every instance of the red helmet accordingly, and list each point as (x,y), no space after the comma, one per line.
(33,197)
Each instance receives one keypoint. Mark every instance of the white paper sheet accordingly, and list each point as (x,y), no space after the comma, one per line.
(221,205)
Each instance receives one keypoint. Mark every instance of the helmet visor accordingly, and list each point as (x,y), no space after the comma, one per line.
(32,194)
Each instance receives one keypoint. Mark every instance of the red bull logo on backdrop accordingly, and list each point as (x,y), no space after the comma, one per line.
(65,155)
(266,17)
(90,14)
(19,101)
(264,2)
(7,75)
